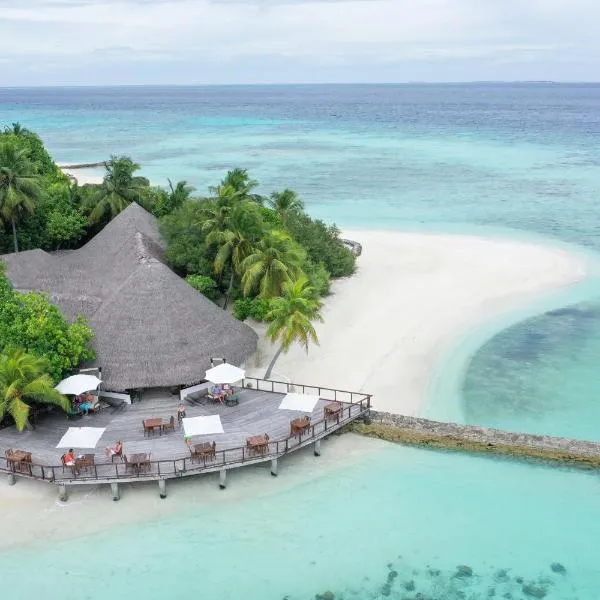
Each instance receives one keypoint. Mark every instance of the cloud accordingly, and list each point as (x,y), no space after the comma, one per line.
(293,40)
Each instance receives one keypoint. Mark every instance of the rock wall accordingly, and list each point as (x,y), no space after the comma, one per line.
(422,432)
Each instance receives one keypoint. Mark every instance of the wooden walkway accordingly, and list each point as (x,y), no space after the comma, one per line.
(257,413)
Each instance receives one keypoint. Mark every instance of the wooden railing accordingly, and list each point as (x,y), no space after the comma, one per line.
(186,465)
(324,393)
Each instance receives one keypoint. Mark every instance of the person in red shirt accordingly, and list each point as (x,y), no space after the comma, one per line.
(70,458)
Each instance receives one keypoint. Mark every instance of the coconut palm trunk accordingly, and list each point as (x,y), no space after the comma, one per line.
(229,290)
(273,361)
(14,230)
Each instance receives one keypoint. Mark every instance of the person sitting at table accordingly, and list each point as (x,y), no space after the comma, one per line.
(116,450)
(217,392)
(227,389)
(69,458)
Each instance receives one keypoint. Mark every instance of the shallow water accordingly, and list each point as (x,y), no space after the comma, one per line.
(554,382)
(394,519)
(387,156)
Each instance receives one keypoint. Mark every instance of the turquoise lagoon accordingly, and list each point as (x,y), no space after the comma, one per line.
(395,523)
(468,158)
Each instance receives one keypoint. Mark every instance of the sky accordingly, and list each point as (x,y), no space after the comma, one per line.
(104,42)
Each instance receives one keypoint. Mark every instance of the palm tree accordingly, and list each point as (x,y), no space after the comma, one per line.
(19,186)
(24,378)
(235,243)
(285,203)
(275,260)
(119,189)
(239,180)
(16,129)
(291,318)
(179,194)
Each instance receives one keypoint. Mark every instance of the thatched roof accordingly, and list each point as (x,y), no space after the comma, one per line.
(152,328)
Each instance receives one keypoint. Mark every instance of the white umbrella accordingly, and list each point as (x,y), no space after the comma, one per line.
(77,384)
(202,425)
(225,373)
(300,402)
(81,437)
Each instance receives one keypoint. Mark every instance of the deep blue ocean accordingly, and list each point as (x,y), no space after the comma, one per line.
(518,160)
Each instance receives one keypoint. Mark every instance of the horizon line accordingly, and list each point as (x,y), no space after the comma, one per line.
(298,84)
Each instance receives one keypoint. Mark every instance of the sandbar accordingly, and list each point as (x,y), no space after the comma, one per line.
(412,296)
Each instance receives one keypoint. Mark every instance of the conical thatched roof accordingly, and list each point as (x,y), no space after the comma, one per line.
(152,328)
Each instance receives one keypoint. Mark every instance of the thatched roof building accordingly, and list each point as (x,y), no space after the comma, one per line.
(152,328)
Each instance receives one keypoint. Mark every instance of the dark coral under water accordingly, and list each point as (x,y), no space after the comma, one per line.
(401,581)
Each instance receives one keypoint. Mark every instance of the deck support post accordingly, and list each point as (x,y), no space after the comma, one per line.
(114,488)
(62,492)
(162,488)
(274,467)
(12,479)
(318,448)
(223,479)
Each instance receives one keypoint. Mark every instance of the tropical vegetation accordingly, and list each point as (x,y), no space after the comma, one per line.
(31,322)
(264,253)
(24,381)
(291,318)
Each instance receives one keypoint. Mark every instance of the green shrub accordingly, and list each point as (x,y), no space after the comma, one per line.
(241,308)
(256,308)
(318,276)
(205,285)
(30,321)
(322,244)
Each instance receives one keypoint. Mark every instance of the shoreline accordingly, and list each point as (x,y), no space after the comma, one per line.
(38,516)
(427,289)
(83,176)
(412,299)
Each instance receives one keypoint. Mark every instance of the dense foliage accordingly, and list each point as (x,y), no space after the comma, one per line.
(24,380)
(40,207)
(266,254)
(30,321)
(251,246)
(205,285)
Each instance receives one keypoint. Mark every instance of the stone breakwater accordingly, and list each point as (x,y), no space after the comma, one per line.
(451,436)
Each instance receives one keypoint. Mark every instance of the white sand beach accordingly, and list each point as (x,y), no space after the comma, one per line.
(412,296)
(32,512)
(84,176)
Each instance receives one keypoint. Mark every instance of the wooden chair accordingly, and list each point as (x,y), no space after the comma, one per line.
(147,430)
(170,425)
(213,453)
(128,466)
(146,465)
(66,466)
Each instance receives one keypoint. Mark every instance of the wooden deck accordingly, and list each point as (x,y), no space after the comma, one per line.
(257,413)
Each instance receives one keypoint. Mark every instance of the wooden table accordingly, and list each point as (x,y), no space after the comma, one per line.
(84,462)
(332,410)
(152,425)
(299,425)
(258,443)
(19,459)
(139,461)
(206,449)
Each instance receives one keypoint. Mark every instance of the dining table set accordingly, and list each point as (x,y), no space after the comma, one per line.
(19,461)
